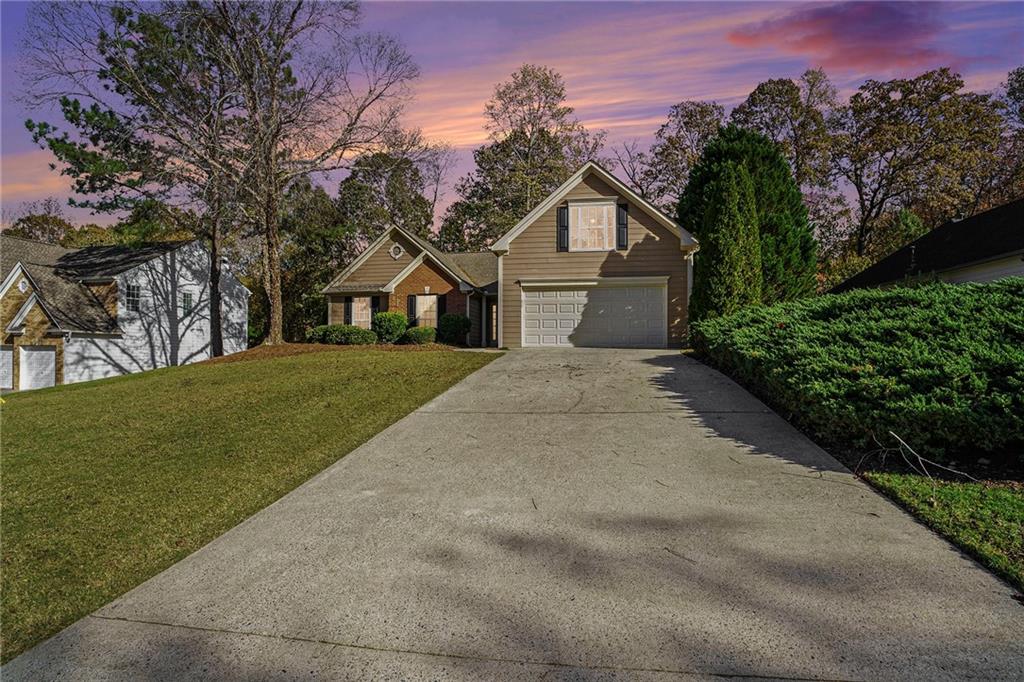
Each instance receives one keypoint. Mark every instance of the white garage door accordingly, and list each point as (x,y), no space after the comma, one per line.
(37,366)
(6,366)
(603,316)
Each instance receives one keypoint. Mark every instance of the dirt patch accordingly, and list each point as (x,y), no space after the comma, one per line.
(265,352)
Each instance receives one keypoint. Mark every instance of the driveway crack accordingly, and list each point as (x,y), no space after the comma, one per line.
(466,657)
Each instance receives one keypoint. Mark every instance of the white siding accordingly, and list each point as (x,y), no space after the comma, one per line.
(1012,266)
(161,334)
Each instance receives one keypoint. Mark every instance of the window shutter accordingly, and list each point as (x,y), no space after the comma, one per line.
(563,228)
(622,227)
(410,309)
(374,306)
(348,310)
(442,305)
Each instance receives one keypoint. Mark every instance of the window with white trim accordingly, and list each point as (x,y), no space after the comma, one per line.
(592,226)
(426,311)
(187,305)
(132,297)
(361,308)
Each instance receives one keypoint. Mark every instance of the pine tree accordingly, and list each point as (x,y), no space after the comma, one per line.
(788,248)
(727,271)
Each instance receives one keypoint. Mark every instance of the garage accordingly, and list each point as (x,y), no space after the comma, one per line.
(606,314)
(37,366)
(6,367)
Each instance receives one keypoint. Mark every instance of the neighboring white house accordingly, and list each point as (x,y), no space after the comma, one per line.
(71,315)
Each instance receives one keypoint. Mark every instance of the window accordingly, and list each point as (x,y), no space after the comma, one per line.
(592,226)
(426,311)
(361,309)
(132,297)
(186,302)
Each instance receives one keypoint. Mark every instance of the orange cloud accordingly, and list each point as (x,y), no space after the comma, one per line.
(27,177)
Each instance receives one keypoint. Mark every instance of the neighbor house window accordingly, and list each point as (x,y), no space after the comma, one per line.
(132,297)
(426,311)
(592,226)
(186,302)
(362,307)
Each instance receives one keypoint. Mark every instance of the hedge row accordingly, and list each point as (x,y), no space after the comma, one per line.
(341,335)
(391,327)
(941,365)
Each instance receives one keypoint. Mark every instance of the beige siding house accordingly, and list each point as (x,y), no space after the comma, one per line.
(592,265)
(983,248)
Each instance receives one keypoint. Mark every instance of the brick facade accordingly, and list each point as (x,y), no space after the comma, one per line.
(417,282)
(37,324)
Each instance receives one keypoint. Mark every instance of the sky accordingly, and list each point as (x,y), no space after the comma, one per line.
(624,64)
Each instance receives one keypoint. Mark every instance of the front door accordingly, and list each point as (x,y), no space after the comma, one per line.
(490,322)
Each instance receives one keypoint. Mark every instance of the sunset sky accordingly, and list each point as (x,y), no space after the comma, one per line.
(624,64)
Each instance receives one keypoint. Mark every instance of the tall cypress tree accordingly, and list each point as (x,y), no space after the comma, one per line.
(788,248)
(727,272)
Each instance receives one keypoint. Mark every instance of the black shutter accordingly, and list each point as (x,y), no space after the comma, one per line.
(374,306)
(622,227)
(442,305)
(410,309)
(348,310)
(563,228)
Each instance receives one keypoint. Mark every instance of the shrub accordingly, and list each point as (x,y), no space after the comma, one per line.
(419,335)
(940,365)
(452,328)
(389,326)
(789,262)
(727,274)
(341,335)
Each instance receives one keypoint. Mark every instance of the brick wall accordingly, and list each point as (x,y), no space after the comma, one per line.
(428,275)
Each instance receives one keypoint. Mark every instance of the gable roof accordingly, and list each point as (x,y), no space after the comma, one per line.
(474,269)
(996,233)
(57,276)
(686,240)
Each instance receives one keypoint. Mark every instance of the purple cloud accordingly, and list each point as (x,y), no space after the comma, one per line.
(856,35)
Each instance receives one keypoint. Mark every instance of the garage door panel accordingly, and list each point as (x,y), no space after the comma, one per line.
(37,367)
(605,316)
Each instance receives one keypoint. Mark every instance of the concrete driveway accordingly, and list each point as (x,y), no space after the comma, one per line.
(583,514)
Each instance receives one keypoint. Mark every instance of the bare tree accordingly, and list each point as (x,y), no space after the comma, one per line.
(307,95)
(636,164)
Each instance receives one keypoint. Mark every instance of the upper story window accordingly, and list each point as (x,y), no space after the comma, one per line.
(132,297)
(592,226)
(187,305)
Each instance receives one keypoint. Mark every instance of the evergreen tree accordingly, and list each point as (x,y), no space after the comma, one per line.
(727,271)
(788,249)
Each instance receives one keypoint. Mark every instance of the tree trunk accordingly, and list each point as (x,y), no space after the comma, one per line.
(216,328)
(272,276)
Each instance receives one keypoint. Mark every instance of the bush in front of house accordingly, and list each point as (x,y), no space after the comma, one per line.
(341,335)
(419,335)
(452,328)
(727,275)
(788,258)
(940,365)
(389,326)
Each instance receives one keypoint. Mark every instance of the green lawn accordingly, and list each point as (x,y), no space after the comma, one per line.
(985,519)
(107,483)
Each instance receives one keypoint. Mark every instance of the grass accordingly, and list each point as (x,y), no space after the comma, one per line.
(984,519)
(107,483)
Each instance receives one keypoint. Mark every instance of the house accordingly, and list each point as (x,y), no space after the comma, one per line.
(982,248)
(593,264)
(70,315)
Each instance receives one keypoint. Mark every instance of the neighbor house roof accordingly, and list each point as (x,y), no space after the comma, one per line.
(57,275)
(995,233)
